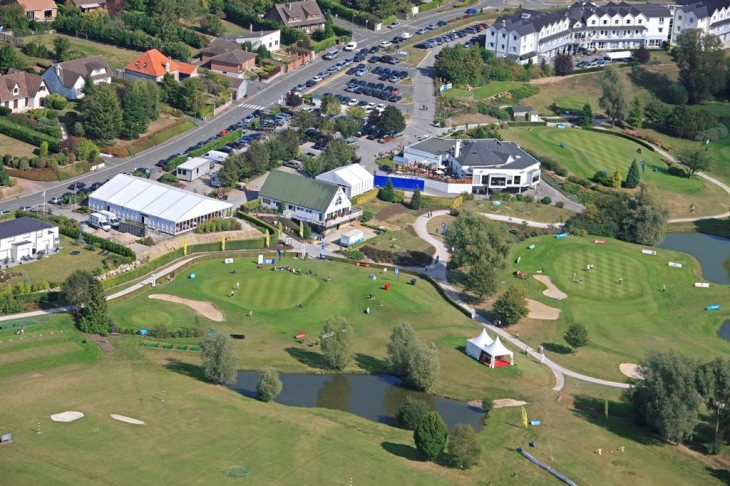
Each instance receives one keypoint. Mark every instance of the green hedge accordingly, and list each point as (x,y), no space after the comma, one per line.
(425,7)
(341,31)
(215,144)
(254,244)
(527,124)
(25,134)
(324,44)
(260,224)
(142,270)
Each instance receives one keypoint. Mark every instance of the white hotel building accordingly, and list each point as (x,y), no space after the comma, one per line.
(537,35)
(712,16)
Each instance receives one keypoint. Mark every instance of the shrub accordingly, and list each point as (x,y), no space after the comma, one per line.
(169,178)
(5,111)
(487,405)
(354,254)
(546,200)
(366,216)
(678,170)
(56,101)
(431,435)
(269,385)
(559,204)
(561,171)
(24,134)
(528,198)
(411,412)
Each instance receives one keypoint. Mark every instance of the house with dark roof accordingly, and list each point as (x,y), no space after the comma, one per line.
(305,15)
(39,10)
(270,39)
(152,66)
(710,16)
(25,237)
(322,204)
(87,6)
(478,166)
(217,47)
(233,63)
(21,91)
(67,78)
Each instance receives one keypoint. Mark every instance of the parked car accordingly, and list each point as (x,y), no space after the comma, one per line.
(351,46)
(294,164)
(471,11)
(374,49)
(77,186)
(385,44)
(96,185)
(421,31)
(394,25)
(385,139)
(405,35)
(56,200)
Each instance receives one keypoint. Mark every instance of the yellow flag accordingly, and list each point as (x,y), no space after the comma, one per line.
(281,227)
(301,229)
(223,242)
(524,417)
(185,246)
(267,237)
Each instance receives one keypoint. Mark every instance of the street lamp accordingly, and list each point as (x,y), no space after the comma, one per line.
(366,23)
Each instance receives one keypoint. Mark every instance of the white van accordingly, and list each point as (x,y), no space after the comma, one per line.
(351,46)
(331,54)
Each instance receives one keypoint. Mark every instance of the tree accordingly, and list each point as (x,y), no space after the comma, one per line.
(563,64)
(102,114)
(695,159)
(641,55)
(61,47)
(290,140)
(331,106)
(293,99)
(256,158)
(356,112)
(511,306)
(337,342)
(616,94)
(391,120)
(713,385)
(576,336)
(481,279)
(399,347)
(336,154)
(149,95)
(416,199)
(412,359)
(585,118)
(464,448)
(667,398)
(313,165)
(9,58)
(76,289)
(269,385)
(411,412)
(348,126)
(459,65)
(616,178)
(134,114)
(700,59)
(170,90)
(95,314)
(646,221)
(636,115)
(487,405)
(431,435)
(634,176)
(219,362)
(387,192)
(656,111)
(212,24)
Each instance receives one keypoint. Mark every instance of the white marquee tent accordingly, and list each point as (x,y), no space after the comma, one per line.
(483,348)
(496,350)
(476,345)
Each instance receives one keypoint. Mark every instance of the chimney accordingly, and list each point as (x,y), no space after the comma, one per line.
(288,6)
(167,67)
(57,68)
(457,149)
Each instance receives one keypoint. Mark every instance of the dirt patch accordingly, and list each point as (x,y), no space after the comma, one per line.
(392,210)
(66,416)
(102,342)
(508,402)
(246,232)
(128,420)
(6,192)
(471,119)
(552,291)
(631,370)
(538,310)
(205,309)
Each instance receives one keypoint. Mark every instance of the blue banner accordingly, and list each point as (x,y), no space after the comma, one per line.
(400,182)
(561,235)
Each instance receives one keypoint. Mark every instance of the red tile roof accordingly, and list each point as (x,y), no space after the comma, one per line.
(186,68)
(152,63)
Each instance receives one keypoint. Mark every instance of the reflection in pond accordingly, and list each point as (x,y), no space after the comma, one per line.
(374,397)
(711,251)
(725,331)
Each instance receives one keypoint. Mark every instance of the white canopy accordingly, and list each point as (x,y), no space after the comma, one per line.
(476,345)
(497,349)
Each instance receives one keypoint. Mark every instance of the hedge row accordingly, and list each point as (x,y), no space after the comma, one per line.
(425,7)
(252,244)
(623,135)
(527,124)
(260,224)
(215,144)
(27,135)
(346,13)
(142,270)
(443,202)
(323,44)
(364,197)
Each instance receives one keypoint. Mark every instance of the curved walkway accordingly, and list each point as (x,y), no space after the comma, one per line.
(438,271)
(510,219)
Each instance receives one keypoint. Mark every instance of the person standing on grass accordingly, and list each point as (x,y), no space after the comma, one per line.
(232,293)
(238,284)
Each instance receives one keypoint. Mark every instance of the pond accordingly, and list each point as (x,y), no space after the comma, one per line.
(713,253)
(374,397)
(725,331)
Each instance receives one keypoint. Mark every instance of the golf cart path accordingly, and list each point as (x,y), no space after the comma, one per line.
(438,271)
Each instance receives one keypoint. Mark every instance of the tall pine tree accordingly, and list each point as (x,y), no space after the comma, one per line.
(585,119)
(102,114)
(95,315)
(636,115)
(634,176)
(616,178)
(134,114)
(416,199)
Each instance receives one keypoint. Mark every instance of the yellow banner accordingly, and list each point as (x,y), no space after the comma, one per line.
(301,229)
(524,417)
(223,242)
(185,246)
(267,237)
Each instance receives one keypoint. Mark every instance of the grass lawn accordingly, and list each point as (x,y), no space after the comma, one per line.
(16,147)
(233,29)
(58,266)
(587,152)
(520,210)
(482,92)
(200,430)
(626,320)
(115,56)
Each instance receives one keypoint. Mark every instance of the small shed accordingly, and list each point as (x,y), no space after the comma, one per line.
(193,168)
(524,113)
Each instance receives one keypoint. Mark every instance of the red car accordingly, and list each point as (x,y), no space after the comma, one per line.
(223,133)
(385,139)
(480,27)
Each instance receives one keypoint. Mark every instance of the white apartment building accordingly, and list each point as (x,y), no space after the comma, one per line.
(711,16)
(535,35)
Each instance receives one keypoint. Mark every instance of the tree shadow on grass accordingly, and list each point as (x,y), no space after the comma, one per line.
(557,348)
(619,422)
(372,365)
(654,82)
(306,357)
(185,368)
(721,474)
(401,450)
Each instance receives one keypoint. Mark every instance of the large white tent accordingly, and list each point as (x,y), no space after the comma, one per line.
(497,350)
(159,206)
(476,345)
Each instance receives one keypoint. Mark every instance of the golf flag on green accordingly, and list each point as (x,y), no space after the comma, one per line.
(524,416)
(301,229)
(267,237)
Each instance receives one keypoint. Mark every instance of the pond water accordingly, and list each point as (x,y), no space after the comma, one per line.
(374,397)
(725,331)
(711,251)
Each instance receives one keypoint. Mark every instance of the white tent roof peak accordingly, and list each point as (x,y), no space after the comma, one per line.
(482,340)
(497,349)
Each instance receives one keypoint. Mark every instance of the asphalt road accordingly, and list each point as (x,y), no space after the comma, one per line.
(262,95)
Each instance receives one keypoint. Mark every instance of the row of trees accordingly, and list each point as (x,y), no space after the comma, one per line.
(673,390)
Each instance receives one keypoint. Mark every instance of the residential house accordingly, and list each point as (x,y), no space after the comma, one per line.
(233,63)
(711,16)
(306,15)
(67,78)
(237,87)
(25,237)
(39,10)
(477,165)
(217,47)
(321,204)
(536,35)
(21,91)
(270,39)
(524,114)
(152,66)
(353,179)
(87,6)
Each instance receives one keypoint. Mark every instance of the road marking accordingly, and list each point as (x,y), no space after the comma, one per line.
(248,105)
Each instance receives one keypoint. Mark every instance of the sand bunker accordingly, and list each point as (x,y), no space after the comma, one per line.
(128,420)
(67,416)
(552,291)
(538,310)
(205,309)
(631,370)
(508,402)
